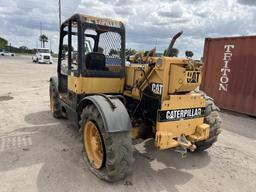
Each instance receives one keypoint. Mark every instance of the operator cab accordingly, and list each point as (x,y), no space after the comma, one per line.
(90,48)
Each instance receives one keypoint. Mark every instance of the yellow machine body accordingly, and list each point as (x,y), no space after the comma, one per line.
(174,79)
(111,93)
(92,85)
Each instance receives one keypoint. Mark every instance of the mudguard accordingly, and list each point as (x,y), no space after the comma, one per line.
(114,114)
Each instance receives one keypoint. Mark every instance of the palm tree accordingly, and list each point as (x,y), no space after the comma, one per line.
(44,39)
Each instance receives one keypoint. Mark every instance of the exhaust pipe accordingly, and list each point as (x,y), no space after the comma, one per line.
(169,50)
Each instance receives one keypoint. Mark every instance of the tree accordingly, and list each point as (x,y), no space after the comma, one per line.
(65,48)
(23,48)
(174,52)
(129,52)
(189,54)
(3,42)
(44,39)
(113,52)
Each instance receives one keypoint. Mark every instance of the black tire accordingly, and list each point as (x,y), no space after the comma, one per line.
(118,152)
(56,103)
(213,119)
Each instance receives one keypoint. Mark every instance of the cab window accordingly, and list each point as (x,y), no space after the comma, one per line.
(102,52)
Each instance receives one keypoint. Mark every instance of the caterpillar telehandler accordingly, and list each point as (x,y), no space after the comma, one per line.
(112,101)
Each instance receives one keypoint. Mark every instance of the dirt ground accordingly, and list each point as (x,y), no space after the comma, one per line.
(40,153)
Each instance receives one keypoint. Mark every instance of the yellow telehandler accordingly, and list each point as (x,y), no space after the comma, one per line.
(112,101)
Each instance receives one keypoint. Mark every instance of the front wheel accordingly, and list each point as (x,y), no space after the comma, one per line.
(108,155)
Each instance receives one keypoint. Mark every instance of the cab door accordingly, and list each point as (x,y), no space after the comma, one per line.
(68,62)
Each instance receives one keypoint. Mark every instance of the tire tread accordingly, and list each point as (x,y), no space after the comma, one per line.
(213,119)
(118,149)
(57,108)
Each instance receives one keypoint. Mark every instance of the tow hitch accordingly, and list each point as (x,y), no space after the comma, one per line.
(184,145)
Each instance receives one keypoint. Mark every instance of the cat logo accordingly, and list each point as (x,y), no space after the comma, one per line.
(193,76)
(157,88)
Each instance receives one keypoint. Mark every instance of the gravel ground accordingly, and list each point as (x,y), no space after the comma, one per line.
(40,153)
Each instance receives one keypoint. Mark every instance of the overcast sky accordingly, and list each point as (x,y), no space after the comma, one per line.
(146,21)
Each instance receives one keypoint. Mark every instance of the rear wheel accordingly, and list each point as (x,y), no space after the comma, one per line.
(54,101)
(108,155)
(213,119)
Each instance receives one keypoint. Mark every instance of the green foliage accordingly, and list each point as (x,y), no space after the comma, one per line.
(174,52)
(65,48)
(189,54)
(3,42)
(23,48)
(113,52)
(129,52)
(44,39)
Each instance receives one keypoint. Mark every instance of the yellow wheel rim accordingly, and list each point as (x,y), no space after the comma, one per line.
(93,145)
(51,102)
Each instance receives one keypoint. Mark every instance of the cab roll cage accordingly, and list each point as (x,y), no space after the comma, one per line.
(82,23)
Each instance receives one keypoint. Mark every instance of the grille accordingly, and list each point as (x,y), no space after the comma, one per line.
(46,57)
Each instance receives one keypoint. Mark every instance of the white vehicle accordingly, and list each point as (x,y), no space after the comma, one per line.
(42,55)
(6,53)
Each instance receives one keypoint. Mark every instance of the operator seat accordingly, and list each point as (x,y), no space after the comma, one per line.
(95,61)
